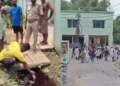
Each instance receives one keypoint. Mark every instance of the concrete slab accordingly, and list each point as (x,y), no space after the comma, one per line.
(35,59)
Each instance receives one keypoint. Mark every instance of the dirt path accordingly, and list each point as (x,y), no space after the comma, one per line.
(99,73)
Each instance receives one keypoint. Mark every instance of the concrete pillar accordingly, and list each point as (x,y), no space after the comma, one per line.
(57,27)
(110,40)
(86,40)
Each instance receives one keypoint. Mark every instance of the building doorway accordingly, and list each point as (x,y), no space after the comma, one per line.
(71,39)
(98,40)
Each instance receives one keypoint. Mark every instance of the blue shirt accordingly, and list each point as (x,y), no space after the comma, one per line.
(76,44)
(15,13)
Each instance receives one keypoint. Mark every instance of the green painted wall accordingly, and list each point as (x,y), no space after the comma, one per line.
(87,24)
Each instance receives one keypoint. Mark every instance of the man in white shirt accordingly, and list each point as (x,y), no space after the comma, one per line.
(106,51)
(77,53)
(112,53)
(97,53)
(116,53)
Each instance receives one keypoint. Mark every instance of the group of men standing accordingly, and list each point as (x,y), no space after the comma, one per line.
(36,21)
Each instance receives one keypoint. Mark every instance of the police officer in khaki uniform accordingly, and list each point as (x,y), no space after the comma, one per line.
(34,12)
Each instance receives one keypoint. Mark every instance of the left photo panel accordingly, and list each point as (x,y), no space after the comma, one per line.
(28,53)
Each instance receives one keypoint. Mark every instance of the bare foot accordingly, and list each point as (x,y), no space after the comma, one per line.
(45,43)
(41,42)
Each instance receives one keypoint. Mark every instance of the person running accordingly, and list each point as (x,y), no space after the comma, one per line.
(106,53)
(82,55)
(92,54)
(97,53)
(102,51)
(116,53)
(112,52)
(16,20)
(12,54)
(77,53)
(87,54)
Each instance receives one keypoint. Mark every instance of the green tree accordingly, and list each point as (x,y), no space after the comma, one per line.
(65,5)
(102,5)
(116,30)
(7,2)
(86,5)
(78,4)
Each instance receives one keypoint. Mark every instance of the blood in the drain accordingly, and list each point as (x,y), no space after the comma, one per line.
(43,80)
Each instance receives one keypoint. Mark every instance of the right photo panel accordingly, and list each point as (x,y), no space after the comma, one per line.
(89,41)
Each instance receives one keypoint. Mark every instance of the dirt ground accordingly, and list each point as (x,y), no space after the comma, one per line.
(55,67)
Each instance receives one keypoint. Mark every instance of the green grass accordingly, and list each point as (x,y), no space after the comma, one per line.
(55,67)
(10,79)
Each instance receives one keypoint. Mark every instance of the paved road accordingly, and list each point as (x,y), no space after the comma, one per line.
(99,73)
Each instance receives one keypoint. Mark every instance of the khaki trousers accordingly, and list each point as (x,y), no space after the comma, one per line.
(32,27)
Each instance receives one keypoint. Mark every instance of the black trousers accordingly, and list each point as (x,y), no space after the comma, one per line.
(8,62)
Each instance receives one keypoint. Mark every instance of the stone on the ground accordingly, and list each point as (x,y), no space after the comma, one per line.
(2,82)
(45,70)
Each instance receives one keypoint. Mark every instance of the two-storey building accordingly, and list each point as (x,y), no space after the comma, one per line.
(97,27)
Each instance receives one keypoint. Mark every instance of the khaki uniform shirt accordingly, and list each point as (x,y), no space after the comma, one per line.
(34,12)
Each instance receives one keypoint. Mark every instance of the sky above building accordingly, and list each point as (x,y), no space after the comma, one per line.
(115,4)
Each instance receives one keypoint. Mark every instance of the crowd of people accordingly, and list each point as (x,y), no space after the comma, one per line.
(99,52)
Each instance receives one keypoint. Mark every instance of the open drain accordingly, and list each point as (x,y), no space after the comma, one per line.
(41,79)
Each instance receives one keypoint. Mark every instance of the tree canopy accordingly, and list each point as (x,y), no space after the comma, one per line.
(85,5)
(116,30)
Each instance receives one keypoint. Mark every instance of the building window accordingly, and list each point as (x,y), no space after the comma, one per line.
(72,23)
(98,23)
